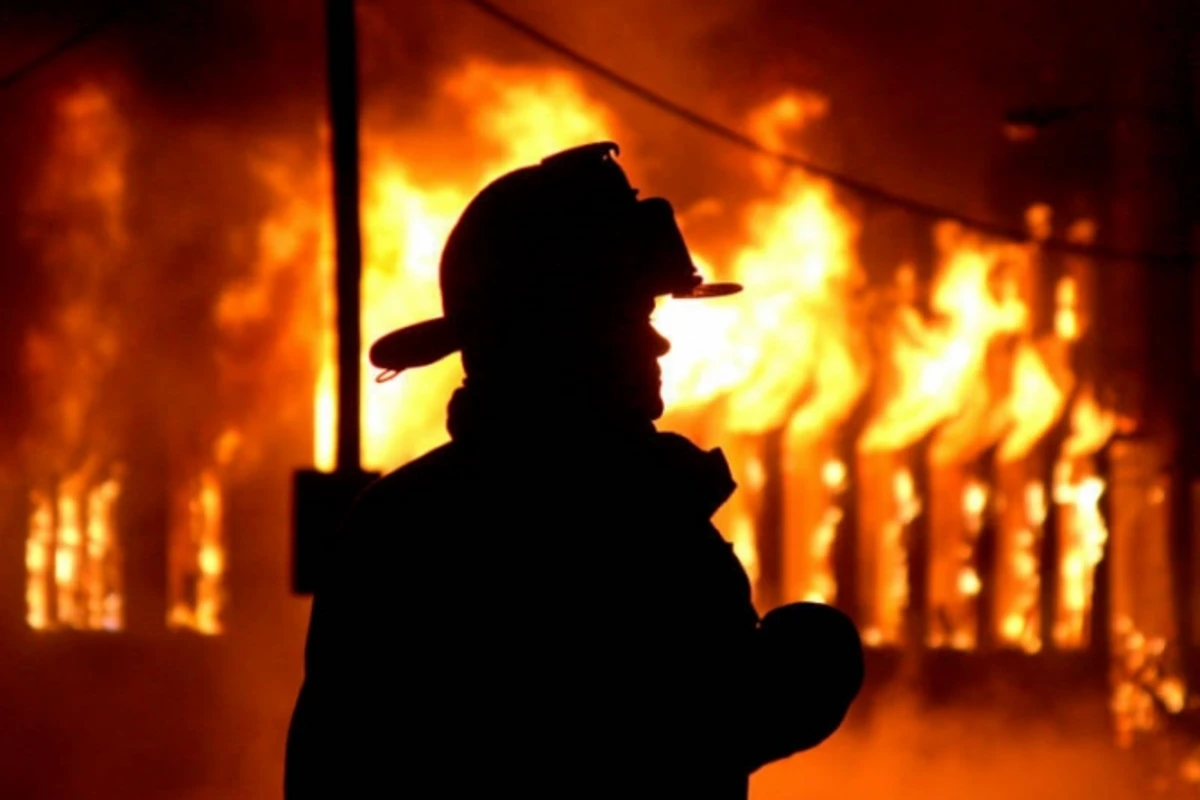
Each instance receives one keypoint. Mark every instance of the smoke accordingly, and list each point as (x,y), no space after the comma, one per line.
(1005,741)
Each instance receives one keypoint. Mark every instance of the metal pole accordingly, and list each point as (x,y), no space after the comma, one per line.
(322,500)
(343,112)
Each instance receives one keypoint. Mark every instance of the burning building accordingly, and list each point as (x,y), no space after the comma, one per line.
(945,433)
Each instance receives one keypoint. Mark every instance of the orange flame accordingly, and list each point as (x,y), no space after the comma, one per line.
(787,356)
(1077,490)
(72,552)
(197,552)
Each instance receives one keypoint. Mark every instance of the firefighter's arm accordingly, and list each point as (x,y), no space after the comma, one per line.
(807,661)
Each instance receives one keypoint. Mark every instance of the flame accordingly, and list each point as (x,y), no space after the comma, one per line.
(1085,552)
(73,554)
(1091,426)
(39,545)
(771,123)
(71,560)
(788,356)
(1035,403)
(791,332)
(972,376)
(895,555)
(1083,534)
(937,364)
(198,558)
(798,260)
(1077,488)
(1147,687)
(1066,314)
(73,576)
(822,583)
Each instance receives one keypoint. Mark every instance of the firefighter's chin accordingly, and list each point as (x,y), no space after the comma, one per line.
(645,392)
(657,407)
(651,405)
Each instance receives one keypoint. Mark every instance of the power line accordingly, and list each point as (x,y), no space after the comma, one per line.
(79,37)
(859,187)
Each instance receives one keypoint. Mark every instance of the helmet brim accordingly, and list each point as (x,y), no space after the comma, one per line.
(430,341)
(706,290)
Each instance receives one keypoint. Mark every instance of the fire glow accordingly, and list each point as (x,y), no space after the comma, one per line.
(790,356)
(75,570)
(958,402)
(72,553)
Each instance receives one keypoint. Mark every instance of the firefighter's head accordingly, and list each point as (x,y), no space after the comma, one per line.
(551,276)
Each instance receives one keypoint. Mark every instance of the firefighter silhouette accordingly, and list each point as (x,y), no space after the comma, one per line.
(542,607)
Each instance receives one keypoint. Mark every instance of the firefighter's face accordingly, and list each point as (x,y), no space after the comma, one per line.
(617,358)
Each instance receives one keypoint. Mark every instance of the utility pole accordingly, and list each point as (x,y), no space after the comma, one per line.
(343,108)
(321,500)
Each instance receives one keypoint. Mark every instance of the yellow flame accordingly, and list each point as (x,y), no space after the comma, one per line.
(791,334)
(198,559)
(834,473)
(1091,426)
(1020,621)
(72,565)
(72,553)
(788,355)
(937,364)
(1082,530)
(968,582)
(1035,403)
(975,498)
(1086,537)
(1066,313)
(105,604)
(38,548)
(895,556)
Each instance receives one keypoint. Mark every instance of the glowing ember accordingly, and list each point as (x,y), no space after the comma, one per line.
(1146,689)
